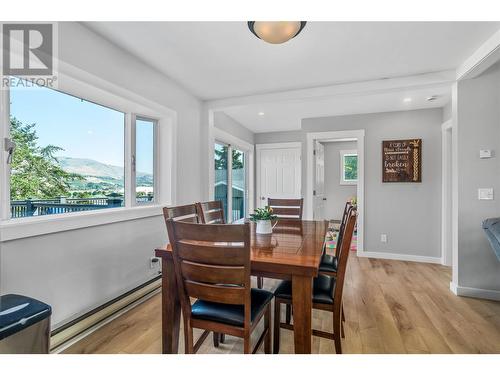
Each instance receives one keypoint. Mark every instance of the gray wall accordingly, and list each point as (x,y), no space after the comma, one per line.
(233,127)
(478,125)
(77,270)
(409,213)
(335,193)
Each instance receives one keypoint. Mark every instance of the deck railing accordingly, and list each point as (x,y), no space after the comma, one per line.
(39,207)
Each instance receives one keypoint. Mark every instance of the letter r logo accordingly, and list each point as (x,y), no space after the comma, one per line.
(28,49)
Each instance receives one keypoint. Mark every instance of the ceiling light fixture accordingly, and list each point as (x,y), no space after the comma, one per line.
(261,113)
(407,100)
(276,32)
(432,98)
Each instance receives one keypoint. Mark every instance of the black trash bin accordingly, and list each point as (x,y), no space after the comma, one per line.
(24,325)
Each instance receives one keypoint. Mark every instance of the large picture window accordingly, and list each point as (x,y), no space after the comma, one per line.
(68,154)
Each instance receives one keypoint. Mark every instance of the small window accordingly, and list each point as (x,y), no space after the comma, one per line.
(145,130)
(348,167)
(68,156)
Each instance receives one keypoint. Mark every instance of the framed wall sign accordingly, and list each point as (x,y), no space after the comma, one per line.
(402,160)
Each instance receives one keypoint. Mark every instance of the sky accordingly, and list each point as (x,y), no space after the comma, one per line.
(83,129)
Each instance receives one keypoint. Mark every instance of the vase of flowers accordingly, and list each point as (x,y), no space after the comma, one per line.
(262,218)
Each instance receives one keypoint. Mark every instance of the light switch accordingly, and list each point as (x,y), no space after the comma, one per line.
(485,194)
(484,154)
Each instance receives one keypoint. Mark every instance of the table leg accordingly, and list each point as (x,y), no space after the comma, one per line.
(302,313)
(171,310)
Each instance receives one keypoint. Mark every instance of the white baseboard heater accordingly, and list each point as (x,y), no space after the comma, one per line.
(71,332)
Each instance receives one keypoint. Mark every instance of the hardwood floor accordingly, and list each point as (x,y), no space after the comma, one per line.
(391,307)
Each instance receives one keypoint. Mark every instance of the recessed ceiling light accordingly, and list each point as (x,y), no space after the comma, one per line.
(407,100)
(432,98)
(261,113)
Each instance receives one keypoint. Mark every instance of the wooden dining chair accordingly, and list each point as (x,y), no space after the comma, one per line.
(326,295)
(289,209)
(212,264)
(211,212)
(189,213)
(186,213)
(329,263)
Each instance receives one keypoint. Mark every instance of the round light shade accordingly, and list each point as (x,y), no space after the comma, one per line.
(276,32)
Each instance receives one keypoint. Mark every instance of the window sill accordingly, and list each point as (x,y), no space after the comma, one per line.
(14,229)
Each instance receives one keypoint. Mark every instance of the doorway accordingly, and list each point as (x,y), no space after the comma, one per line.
(335,174)
(278,171)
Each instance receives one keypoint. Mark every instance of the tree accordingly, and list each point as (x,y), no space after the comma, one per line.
(35,171)
(221,158)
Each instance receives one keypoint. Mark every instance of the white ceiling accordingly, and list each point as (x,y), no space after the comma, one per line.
(287,115)
(223,59)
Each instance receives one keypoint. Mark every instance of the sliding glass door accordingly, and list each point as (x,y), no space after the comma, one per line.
(238,184)
(230,171)
(221,175)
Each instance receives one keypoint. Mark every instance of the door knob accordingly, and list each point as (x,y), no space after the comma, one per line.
(262,198)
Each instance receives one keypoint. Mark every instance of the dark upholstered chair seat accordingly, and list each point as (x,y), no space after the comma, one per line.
(231,314)
(323,288)
(329,263)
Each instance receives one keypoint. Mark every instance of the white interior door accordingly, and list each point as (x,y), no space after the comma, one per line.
(279,173)
(319,181)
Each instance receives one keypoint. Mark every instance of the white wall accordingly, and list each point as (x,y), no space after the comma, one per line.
(77,270)
(478,127)
(233,127)
(335,193)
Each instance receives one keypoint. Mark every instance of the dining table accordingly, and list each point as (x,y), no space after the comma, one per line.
(292,252)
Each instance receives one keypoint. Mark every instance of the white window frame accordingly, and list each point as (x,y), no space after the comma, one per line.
(136,117)
(343,154)
(73,81)
(233,142)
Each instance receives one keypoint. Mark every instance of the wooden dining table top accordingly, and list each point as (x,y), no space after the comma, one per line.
(294,247)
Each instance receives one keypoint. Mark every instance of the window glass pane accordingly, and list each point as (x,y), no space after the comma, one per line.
(220,193)
(350,167)
(238,182)
(144,163)
(69,153)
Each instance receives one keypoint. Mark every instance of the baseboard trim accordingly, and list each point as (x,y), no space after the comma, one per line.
(465,291)
(405,257)
(103,313)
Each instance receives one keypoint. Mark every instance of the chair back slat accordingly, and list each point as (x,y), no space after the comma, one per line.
(210,233)
(211,212)
(208,273)
(234,295)
(203,252)
(287,208)
(211,263)
(186,213)
(345,247)
(347,210)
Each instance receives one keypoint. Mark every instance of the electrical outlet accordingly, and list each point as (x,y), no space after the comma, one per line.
(154,262)
(383,238)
